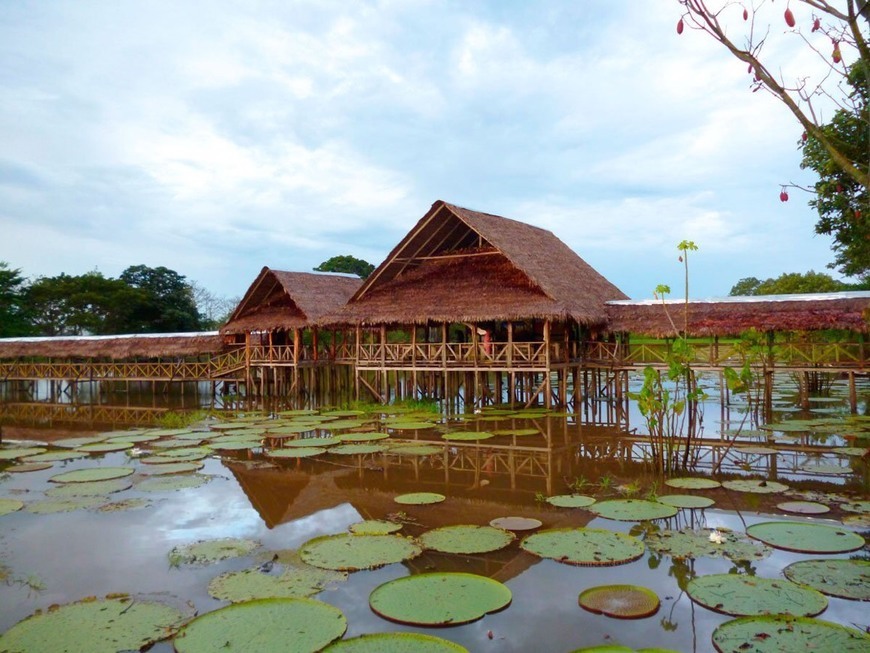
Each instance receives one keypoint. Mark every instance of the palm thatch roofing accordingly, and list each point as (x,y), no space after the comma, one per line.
(289,300)
(122,347)
(458,265)
(734,315)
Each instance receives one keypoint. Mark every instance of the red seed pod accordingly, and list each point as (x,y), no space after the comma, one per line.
(783,196)
(680,259)
(839,188)
(745,14)
(836,55)
(804,137)
(789,17)
(680,26)
(817,25)
(490,634)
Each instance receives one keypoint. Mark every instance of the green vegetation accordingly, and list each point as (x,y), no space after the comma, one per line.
(346,264)
(792,283)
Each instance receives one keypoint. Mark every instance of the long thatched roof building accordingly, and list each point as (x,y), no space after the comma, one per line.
(123,347)
(458,265)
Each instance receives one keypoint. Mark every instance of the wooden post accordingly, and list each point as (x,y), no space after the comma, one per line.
(547,397)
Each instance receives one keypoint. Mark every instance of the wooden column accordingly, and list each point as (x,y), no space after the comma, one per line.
(547,397)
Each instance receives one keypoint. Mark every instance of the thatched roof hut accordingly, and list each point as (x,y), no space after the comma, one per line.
(457,265)
(731,316)
(122,347)
(289,300)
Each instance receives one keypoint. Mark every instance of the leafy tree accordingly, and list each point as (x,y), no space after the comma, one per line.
(13,317)
(789,283)
(164,302)
(75,305)
(837,150)
(348,264)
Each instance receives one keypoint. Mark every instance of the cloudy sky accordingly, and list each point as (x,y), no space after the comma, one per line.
(217,137)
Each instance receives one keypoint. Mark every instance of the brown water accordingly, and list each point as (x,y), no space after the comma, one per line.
(58,558)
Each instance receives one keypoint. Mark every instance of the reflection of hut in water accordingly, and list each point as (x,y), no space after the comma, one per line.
(276,323)
(475,306)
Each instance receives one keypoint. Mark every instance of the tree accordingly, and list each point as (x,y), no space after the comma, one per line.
(213,310)
(836,150)
(789,283)
(348,264)
(13,316)
(75,305)
(164,302)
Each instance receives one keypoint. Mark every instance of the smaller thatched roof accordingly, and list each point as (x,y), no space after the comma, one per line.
(733,315)
(458,265)
(121,347)
(289,300)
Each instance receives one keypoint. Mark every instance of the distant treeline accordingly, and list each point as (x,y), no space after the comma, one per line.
(140,300)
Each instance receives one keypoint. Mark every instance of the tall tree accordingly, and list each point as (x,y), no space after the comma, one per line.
(789,283)
(13,317)
(164,303)
(347,264)
(75,305)
(837,34)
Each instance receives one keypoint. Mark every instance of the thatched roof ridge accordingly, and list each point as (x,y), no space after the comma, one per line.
(733,315)
(286,300)
(459,265)
(119,347)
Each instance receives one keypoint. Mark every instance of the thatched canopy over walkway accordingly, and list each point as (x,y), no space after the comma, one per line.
(120,347)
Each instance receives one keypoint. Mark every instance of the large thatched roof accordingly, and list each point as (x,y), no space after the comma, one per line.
(152,345)
(733,315)
(458,265)
(287,300)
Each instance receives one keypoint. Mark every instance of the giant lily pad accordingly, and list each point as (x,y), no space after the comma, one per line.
(517,432)
(10,505)
(620,601)
(416,450)
(297,452)
(410,426)
(584,546)
(358,449)
(209,551)
(847,579)
(344,424)
(93,626)
(349,552)
(171,468)
(803,507)
(860,507)
(92,474)
(105,447)
(708,543)
(54,456)
(439,599)
(805,537)
(374,527)
(466,540)
(755,486)
(633,510)
(689,501)
(783,634)
(52,506)
(468,436)
(312,442)
(741,595)
(570,501)
(395,643)
(419,498)
(250,584)
(370,436)
(20,452)
(294,625)
(516,523)
(89,489)
(692,483)
(24,468)
(172,483)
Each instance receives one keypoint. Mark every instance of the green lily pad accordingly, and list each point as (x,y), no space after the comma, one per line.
(123,505)
(344,424)
(516,523)
(370,436)
(466,539)
(410,426)
(105,447)
(171,468)
(689,501)
(208,551)
(741,595)
(805,537)
(349,552)
(296,452)
(93,626)
(53,506)
(783,634)
(10,505)
(172,483)
(755,486)
(419,498)
(847,579)
(92,474)
(827,469)
(570,501)
(292,625)
(374,527)
(89,489)
(705,543)
(187,453)
(251,584)
(468,436)
(24,468)
(693,483)
(312,442)
(439,599)
(235,445)
(361,449)
(135,438)
(591,547)
(20,452)
(75,443)
(53,457)
(860,507)
(803,507)
(291,429)
(343,413)
(633,510)
(620,601)
(166,460)
(395,643)
(851,451)
(517,432)
(416,450)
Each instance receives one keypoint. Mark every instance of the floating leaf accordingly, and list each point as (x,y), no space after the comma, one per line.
(468,436)
(847,579)
(416,450)
(860,507)
(296,452)
(620,601)
(172,483)
(251,584)
(105,447)
(755,486)
(822,468)
(410,426)
(783,634)
(92,474)
(584,546)
(344,424)
(705,543)
(312,442)
(439,599)
(93,626)
(370,436)
(208,551)
(53,506)
(374,527)
(395,643)
(419,498)
(517,432)
(570,501)
(20,452)
(357,449)
(90,489)
(171,468)
(633,510)
(53,456)
(693,483)
(24,468)
(689,501)
(294,625)
(125,504)
(805,537)
(349,552)
(75,443)
(803,507)
(516,523)
(742,595)
(10,505)
(466,539)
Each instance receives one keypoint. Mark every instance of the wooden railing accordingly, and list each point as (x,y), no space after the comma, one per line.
(45,414)
(501,355)
(112,371)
